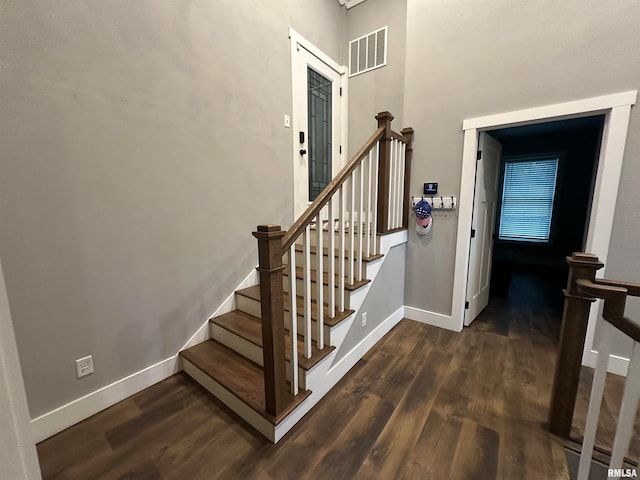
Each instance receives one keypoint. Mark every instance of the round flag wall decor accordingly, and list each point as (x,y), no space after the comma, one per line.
(424,221)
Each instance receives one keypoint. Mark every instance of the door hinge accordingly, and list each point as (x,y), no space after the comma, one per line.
(466,305)
(479,155)
(473,233)
(340,91)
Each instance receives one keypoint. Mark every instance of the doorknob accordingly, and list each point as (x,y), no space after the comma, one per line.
(303,151)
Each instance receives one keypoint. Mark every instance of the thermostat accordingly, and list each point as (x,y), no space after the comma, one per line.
(431,188)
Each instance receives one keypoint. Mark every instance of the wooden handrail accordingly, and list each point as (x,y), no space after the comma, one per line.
(400,136)
(614,297)
(321,200)
(633,289)
(598,290)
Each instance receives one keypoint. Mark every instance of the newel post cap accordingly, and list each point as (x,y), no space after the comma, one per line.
(269,231)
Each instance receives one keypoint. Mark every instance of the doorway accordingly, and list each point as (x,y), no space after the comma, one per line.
(319,120)
(544,187)
(616,109)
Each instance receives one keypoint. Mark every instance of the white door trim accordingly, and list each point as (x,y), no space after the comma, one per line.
(616,109)
(18,455)
(298,41)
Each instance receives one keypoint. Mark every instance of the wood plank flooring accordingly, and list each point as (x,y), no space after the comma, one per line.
(424,403)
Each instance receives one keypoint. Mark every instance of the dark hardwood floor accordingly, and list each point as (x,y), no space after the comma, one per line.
(424,403)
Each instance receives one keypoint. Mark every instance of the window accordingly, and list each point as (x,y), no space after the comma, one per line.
(527,199)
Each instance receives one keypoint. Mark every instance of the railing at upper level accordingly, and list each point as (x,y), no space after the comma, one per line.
(583,289)
(369,196)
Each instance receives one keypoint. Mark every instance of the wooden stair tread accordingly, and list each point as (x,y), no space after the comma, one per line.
(254,294)
(325,279)
(250,328)
(240,376)
(325,252)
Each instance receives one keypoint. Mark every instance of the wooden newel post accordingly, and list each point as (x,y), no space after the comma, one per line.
(407,132)
(384,171)
(272,309)
(575,318)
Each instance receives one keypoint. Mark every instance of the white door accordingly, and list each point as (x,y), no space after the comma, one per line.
(482,224)
(317,121)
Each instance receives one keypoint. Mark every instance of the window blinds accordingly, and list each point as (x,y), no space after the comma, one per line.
(527,200)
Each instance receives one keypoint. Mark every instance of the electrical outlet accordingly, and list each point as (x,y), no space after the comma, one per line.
(364,319)
(84,366)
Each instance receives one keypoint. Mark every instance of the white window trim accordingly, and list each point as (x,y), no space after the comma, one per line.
(617,109)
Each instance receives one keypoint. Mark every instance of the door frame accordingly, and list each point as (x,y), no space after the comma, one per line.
(617,109)
(18,454)
(298,41)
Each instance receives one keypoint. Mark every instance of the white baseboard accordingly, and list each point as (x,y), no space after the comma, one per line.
(617,365)
(77,410)
(431,318)
(73,412)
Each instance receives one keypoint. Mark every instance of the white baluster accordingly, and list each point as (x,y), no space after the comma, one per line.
(628,408)
(307,291)
(294,323)
(361,224)
(341,252)
(332,264)
(396,163)
(403,159)
(392,183)
(352,225)
(398,208)
(319,280)
(374,232)
(595,401)
(368,228)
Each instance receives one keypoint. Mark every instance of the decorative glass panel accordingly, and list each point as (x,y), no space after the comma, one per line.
(319,142)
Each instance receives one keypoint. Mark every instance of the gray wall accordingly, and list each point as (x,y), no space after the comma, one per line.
(385,296)
(381,89)
(141,143)
(467,59)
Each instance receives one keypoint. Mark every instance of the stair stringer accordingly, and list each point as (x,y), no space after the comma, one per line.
(323,376)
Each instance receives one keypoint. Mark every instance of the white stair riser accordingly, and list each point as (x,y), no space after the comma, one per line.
(252,307)
(300,285)
(230,400)
(248,305)
(250,350)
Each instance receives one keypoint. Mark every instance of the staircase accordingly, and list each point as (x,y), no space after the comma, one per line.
(274,357)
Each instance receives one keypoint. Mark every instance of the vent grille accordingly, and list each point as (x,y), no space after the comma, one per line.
(368,52)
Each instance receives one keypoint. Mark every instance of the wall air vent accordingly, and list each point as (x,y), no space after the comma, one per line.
(368,52)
